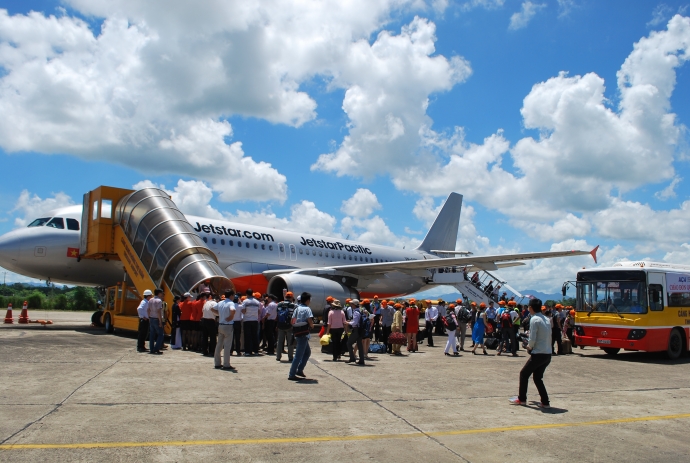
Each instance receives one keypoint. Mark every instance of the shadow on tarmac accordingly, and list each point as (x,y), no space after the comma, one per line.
(657,358)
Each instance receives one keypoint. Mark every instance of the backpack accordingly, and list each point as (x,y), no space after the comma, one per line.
(284,317)
(464,315)
(450,322)
(506,320)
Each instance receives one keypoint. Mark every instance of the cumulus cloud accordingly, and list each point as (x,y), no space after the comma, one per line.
(660,15)
(361,204)
(522,18)
(585,150)
(486,4)
(388,84)
(33,207)
(154,87)
(669,191)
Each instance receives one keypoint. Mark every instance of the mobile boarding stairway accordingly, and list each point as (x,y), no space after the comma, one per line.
(453,276)
(156,244)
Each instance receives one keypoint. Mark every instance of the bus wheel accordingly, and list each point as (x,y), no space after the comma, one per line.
(611,350)
(675,345)
(108,322)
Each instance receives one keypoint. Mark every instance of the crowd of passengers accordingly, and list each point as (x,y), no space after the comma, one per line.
(259,324)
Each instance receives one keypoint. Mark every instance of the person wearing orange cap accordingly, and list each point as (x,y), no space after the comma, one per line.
(568,326)
(387,313)
(556,327)
(283,323)
(396,327)
(412,326)
(376,310)
(250,312)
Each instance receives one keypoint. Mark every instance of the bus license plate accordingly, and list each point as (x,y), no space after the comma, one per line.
(603,341)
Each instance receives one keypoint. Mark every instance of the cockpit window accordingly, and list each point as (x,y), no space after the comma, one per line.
(39,222)
(72,224)
(56,222)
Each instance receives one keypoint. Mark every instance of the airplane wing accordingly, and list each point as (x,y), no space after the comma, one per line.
(413,266)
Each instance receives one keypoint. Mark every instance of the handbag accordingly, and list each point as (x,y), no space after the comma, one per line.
(325,340)
(299,331)
(397,338)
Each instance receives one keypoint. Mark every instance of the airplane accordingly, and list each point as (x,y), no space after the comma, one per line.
(272,260)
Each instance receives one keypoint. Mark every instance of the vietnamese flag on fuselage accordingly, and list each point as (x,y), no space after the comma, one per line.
(73,252)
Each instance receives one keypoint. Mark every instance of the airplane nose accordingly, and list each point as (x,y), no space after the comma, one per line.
(10,245)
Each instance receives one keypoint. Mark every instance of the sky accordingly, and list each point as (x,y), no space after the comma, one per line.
(563,123)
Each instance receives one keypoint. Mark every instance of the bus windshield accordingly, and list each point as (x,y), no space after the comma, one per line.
(611,296)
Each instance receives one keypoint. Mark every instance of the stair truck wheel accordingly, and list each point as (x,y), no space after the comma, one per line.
(108,322)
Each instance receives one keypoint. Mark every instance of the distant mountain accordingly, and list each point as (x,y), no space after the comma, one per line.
(453,296)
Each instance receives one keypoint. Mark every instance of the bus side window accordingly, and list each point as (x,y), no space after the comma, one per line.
(656,298)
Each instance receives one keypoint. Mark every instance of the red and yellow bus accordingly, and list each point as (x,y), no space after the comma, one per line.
(635,306)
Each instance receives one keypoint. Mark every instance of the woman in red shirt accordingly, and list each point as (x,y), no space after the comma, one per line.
(412,326)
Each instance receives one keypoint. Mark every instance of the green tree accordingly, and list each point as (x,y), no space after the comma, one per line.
(83,299)
(35,300)
(60,302)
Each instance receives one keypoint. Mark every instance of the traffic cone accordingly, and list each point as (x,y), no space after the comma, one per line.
(24,316)
(8,315)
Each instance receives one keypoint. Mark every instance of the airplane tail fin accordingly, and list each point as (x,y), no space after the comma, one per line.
(444,231)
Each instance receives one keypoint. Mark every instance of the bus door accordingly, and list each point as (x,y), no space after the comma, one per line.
(656,289)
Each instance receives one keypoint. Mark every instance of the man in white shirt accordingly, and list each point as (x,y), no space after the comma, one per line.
(226,314)
(539,348)
(270,315)
(250,315)
(430,317)
(208,327)
(143,312)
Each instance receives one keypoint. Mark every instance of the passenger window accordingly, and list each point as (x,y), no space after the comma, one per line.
(213,240)
(256,246)
(39,222)
(301,251)
(656,297)
(56,222)
(320,254)
(246,244)
(350,257)
(106,208)
(239,243)
(270,247)
(313,251)
(338,255)
(205,239)
(263,247)
(222,242)
(72,224)
(230,242)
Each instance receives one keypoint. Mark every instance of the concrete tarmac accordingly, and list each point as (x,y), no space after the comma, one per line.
(83,395)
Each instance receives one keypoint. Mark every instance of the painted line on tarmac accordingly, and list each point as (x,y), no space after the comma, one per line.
(304,440)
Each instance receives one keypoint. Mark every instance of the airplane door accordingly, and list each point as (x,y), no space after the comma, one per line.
(293,252)
(281,249)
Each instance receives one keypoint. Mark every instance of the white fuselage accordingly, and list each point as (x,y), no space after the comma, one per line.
(243,251)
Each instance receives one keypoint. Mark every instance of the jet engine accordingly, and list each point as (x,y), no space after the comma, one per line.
(318,287)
